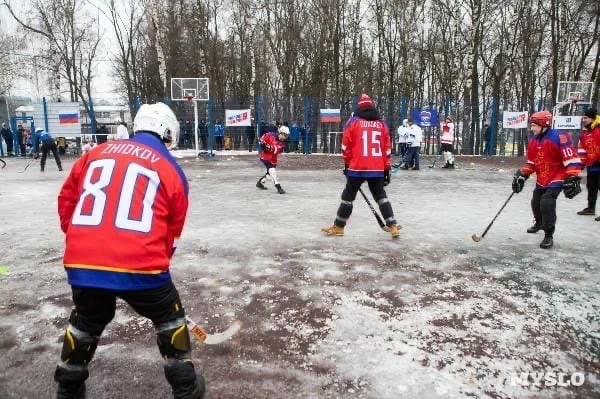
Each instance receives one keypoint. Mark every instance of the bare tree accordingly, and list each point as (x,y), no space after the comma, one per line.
(9,67)
(73,38)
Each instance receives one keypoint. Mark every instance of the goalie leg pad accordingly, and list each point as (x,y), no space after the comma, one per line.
(173,340)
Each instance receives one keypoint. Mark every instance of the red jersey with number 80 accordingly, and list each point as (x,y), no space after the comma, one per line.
(122,208)
(366,147)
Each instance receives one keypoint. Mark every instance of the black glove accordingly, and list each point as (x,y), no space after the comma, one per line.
(518,181)
(572,186)
(265,147)
(386,177)
(345,171)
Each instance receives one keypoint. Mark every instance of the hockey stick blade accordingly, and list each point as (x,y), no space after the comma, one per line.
(3,163)
(212,339)
(476,238)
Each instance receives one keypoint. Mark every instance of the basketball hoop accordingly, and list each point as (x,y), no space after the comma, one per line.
(574,100)
(189,97)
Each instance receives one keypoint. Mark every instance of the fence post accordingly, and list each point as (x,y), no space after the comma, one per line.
(92,115)
(305,147)
(258,119)
(45,107)
(494,125)
(211,133)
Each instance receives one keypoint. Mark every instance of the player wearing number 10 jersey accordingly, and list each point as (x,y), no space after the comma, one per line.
(366,148)
(122,209)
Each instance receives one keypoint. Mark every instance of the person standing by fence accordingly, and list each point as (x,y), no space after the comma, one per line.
(219,131)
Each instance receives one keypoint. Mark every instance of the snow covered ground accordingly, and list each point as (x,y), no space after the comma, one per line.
(430,315)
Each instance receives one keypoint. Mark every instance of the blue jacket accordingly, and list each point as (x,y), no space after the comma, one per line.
(44,136)
(219,130)
(295,133)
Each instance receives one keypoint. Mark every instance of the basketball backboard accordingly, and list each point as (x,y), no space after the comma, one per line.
(183,88)
(579,92)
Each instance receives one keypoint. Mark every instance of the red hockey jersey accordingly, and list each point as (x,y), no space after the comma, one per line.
(589,146)
(552,157)
(366,147)
(276,147)
(122,208)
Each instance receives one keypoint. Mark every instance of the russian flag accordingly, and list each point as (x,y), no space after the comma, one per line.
(330,115)
(68,118)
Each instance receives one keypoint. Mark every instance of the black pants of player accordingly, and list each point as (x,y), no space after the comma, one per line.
(593,185)
(543,205)
(47,146)
(411,157)
(376,186)
(94,308)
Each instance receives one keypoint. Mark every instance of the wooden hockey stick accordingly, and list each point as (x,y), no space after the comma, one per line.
(212,339)
(3,163)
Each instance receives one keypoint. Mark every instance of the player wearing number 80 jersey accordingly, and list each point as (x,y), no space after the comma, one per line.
(122,209)
(366,148)
(129,191)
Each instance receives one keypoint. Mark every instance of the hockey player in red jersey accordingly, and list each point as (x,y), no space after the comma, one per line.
(589,152)
(552,157)
(271,146)
(131,196)
(366,149)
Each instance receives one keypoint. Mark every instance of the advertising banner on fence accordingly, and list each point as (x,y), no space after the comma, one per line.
(237,117)
(514,120)
(330,115)
(567,122)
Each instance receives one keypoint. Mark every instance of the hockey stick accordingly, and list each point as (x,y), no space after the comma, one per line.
(434,161)
(381,224)
(3,163)
(28,165)
(477,238)
(212,339)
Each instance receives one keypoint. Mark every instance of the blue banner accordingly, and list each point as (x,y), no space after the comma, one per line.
(425,118)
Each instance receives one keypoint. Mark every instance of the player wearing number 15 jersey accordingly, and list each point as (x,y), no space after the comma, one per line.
(366,149)
(122,209)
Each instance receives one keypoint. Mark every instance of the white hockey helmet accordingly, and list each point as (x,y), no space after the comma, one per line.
(405,122)
(157,118)
(39,130)
(284,130)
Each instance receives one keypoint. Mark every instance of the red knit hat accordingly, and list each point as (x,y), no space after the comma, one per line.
(365,102)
